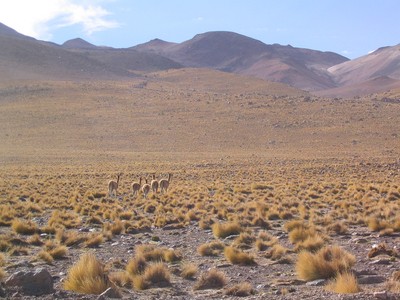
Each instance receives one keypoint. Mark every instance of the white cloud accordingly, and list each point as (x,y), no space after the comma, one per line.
(38,18)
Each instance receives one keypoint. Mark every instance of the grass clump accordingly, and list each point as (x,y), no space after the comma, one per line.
(136,265)
(188,271)
(242,289)
(326,263)
(224,230)
(238,257)
(87,276)
(155,275)
(344,283)
(213,279)
(393,284)
(211,249)
(22,227)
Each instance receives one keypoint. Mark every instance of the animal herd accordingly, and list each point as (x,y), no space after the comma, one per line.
(154,185)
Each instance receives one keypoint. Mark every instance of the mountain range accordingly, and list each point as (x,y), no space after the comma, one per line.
(323,73)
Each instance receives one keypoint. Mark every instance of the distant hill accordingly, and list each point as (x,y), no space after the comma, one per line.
(78,43)
(323,73)
(376,85)
(232,52)
(23,57)
(382,62)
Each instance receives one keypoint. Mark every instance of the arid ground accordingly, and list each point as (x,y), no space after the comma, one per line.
(271,189)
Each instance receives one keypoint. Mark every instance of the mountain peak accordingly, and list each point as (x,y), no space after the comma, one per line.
(78,43)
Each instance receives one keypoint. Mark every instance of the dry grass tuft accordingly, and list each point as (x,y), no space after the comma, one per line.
(382,249)
(326,263)
(87,276)
(276,252)
(393,284)
(189,270)
(214,248)
(136,265)
(213,279)
(238,257)
(155,275)
(224,230)
(22,227)
(94,241)
(121,279)
(311,243)
(243,289)
(46,256)
(344,283)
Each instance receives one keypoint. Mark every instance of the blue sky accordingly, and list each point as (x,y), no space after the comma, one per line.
(352,28)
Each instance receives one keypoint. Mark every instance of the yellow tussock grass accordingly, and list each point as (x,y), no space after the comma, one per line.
(238,257)
(326,263)
(344,283)
(87,276)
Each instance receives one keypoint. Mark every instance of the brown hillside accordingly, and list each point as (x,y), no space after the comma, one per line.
(192,111)
(382,62)
(32,59)
(376,85)
(232,52)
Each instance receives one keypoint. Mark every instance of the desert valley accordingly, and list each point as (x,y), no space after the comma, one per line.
(284,168)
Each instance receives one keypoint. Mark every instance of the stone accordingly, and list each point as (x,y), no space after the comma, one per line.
(372,279)
(35,283)
(318,282)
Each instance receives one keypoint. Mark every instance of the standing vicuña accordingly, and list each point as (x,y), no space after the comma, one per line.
(164,183)
(136,187)
(154,184)
(113,186)
(145,188)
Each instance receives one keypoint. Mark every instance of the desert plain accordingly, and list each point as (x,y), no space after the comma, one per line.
(262,176)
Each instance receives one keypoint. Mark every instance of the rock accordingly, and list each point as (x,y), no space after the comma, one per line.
(34,283)
(381,261)
(364,272)
(371,279)
(318,282)
(3,293)
(110,293)
(381,295)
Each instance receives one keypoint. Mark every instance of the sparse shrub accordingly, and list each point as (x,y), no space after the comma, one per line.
(87,276)
(121,279)
(276,252)
(243,289)
(95,220)
(46,256)
(344,283)
(2,274)
(393,284)
(136,265)
(35,240)
(338,228)
(211,249)
(311,243)
(244,241)
(213,279)
(223,230)
(117,227)
(155,275)
(382,249)
(375,224)
(300,234)
(171,255)
(238,257)
(188,270)
(94,240)
(22,227)
(58,252)
(324,264)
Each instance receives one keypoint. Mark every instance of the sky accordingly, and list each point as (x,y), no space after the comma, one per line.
(352,28)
